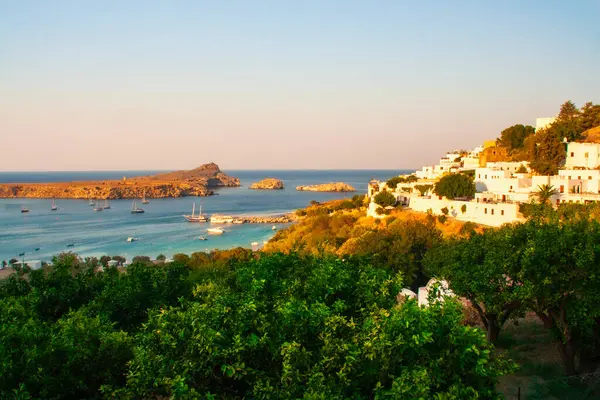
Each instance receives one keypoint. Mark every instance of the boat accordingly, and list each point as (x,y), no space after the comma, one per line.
(254,244)
(221,219)
(92,203)
(36,249)
(215,231)
(71,245)
(135,209)
(98,207)
(24,209)
(132,239)
(53,208)
(106,205)
(202,238)
(144,201)
(196,218)
(274,228)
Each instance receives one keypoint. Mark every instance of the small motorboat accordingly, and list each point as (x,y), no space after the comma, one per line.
(274,228)
(71,245)
(215,231)
(36,249)
(132,239)
(24,209)
(202,238)
(254,244)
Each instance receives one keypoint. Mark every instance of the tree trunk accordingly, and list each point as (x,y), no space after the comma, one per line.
(547,320)
(567,354)
(493,328)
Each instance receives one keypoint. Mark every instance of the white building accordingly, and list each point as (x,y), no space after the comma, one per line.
(583,155)
(33,264)
(541,123)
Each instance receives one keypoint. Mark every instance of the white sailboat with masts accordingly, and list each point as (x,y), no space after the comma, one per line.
(135,209)
(196,218)
(54,207)
(144,201)
(106,205)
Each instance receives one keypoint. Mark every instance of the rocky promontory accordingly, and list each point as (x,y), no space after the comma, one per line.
(268,184)
(327,187)
(195,182)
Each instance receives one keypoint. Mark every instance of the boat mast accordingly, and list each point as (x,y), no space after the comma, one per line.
(193,209)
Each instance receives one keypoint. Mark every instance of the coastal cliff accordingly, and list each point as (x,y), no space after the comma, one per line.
(268,184)
(327,187)
(196,182)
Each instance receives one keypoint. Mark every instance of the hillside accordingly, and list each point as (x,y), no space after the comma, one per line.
(592,135)
(196,182)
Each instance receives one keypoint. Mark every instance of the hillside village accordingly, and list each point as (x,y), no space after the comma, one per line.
(501,184)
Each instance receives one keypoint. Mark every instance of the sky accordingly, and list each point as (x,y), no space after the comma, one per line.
(304,84)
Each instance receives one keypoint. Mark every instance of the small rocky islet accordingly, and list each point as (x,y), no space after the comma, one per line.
(327,187)
(268,184)
(196,182)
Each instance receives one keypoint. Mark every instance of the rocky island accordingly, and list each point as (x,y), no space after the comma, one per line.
(327,187)
(268,184)
(196,182)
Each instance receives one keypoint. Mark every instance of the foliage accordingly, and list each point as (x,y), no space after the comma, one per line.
(547,152)
(513,138)
(385,199)
(477,267)
(454,186)
(442,218)
(545,193)
(392,183)
(141,260)
(161,257)
(522,169)
(423,188)
(304,327)
(445,210)
(463,208)
(589,116)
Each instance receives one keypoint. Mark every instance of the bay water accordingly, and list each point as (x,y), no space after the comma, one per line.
(42,233)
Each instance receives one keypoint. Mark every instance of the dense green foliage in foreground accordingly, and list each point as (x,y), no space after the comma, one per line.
(455,186)
(549,265)
(269,327)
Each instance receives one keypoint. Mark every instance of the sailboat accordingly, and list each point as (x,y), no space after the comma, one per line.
(98,207)
(135,209)
(144,201)
(53,208)
(193,218)
(92,203)
(106,205)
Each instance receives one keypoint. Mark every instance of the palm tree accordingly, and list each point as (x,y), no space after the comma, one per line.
(545,192)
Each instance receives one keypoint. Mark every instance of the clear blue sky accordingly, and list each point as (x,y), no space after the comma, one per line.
(88,85)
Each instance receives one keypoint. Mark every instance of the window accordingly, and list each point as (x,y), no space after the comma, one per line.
(511,188)
(569,177)
(578,177)
(479,176)
(586,155)
(572,154)
(485,211)
(590,178)
(492,211)
(501,212)
(486,177)
(561,189)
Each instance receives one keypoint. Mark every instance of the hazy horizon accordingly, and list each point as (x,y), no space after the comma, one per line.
(266,85)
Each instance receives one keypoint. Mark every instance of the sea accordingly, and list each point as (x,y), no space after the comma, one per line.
(41,233)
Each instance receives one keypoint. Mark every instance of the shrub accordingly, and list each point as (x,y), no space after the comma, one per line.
(442,218)
(385,199)
(455,185)
(445,210)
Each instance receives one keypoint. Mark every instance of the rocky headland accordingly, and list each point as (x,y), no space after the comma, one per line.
(272,219)
(268,184)
(195,182)
(327,187)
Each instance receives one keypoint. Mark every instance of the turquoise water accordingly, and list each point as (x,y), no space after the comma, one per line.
(161,229)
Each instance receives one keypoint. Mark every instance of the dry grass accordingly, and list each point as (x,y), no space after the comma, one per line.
(540,375)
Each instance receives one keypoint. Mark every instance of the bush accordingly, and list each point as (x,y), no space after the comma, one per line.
(442,219)
(385,199)
(463,208)
(444,210)
(455,185)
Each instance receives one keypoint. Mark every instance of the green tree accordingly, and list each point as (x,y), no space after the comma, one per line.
(478,268)
(104,261)
(385,199)
(568,112)
(547,152)
(306,327)
(545,193)
(522,169)
(455,186)
(423,188)
(590,116)
(161,257)
(513,138)
(560,278)
(393,182)
(141,260)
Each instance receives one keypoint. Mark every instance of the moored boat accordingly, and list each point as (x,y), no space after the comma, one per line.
(106,204)
(221,219)
(135,209)
(24,209)
(98,207)
(196,218)
(132,239)
(144,201)
(215,231)
(54,207)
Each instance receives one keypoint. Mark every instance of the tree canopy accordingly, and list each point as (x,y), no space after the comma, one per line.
(454,186)
(385,199)
(513,137)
